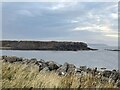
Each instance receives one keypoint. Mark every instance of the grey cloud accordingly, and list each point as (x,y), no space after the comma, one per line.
(38,20)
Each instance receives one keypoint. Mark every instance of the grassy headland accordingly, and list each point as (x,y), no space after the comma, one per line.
(44,45)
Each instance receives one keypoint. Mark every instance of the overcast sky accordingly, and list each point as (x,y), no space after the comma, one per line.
(71,21)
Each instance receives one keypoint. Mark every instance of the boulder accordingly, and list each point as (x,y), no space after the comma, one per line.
(41,61)
(46,69)
(71,68)
(89,70)
(63,69)
(26,61)
(12,59)
(77,70)
(115,76)
(33,60)
(83,68)
(52,65)
(66,68)
(3,57)
(94,71)
(107,73)
(42,66)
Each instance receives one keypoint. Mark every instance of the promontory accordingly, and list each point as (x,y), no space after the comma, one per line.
(44,45)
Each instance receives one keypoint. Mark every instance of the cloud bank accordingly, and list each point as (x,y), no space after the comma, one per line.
(92,22)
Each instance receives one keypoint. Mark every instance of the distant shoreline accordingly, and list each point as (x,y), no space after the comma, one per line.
(44,45)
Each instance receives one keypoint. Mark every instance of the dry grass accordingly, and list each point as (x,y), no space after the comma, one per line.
(21,75)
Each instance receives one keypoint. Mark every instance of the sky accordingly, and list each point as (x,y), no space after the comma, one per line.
(90,22)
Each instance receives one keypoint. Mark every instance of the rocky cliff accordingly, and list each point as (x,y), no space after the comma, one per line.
(44,45)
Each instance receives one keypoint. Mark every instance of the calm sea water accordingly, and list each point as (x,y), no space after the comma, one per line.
(100,58)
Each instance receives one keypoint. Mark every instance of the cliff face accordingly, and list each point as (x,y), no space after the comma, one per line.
(44,45)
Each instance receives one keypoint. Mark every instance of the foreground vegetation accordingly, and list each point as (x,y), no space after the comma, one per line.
(19,75)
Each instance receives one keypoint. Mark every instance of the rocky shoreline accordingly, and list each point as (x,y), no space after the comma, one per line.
(67,69)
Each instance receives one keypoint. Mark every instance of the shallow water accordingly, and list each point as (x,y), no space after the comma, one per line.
(100,58)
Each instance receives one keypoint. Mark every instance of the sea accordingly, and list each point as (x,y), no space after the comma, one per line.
(100,58)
